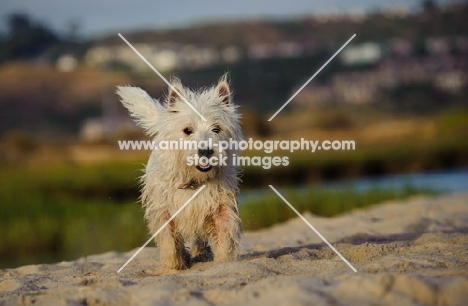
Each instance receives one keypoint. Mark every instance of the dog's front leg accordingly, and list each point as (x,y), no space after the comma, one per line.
(171,245)
(226,234)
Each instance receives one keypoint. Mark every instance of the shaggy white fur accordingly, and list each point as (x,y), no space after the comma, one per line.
(211,220)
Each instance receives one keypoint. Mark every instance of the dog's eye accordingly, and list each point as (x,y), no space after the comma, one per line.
(216,130)
(188,131)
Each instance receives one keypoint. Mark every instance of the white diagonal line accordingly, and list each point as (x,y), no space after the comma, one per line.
(162,227)
(160,75)
(313,228)
(308,81)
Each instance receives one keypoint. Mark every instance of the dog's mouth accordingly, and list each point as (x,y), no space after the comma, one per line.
(204,167)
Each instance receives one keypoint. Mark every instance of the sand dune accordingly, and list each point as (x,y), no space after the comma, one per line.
(405,254)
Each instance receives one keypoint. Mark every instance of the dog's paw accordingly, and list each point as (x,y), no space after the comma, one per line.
(178,264)
(179,261)
(223,257)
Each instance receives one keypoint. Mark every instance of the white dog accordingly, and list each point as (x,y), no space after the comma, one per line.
(211,220)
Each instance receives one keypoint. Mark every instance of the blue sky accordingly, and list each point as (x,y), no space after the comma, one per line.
(99,17)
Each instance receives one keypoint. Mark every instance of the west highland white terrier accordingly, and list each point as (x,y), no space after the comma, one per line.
(210,222)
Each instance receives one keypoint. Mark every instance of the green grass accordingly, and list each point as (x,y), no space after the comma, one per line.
(270,209)
(63,212)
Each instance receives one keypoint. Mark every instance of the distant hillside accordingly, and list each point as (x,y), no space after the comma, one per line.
(41,99)
(449,20)
(44,100)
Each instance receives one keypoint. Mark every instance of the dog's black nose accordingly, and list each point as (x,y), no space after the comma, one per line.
(205,152)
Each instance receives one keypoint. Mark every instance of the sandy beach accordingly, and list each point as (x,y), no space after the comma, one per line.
(406,253)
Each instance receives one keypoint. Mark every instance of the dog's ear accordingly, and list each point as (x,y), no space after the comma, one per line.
(141,106)
(176,94)
(223,91)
